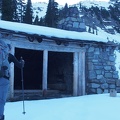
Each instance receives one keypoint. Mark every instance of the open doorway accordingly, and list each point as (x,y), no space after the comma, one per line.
(32,69)
(60,72)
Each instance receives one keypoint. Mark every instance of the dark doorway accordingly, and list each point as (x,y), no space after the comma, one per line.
(60,72)
(32,69)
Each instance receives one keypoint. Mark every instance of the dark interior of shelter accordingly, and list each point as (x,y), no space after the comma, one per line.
(60,71)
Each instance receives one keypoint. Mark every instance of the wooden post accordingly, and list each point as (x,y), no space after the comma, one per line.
(45,65)
(81,74)
(75,74)
(11,95)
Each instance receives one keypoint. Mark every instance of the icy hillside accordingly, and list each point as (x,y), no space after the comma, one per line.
(88,4)
(39,9)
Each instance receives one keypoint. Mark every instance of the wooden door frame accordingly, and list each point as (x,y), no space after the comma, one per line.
(46,46)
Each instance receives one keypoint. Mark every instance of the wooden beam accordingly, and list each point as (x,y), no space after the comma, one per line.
(45,65)
(75,74)
(44,45)
(81,73)
(12,74)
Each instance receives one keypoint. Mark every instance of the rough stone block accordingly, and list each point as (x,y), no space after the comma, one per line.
(92,75)
(112,58)
(99,91)
(102,81)
(118,83)
(99,76)
(113,93)
(107,67)
(111,81)
(106,91)
(108,75)
(94,85)
(90,66)
(104,86)
(118,89)
(98,67)
(112,86)
(94,81)
(99,72)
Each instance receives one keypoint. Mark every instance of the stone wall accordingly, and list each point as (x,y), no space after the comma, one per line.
(72,24)
(101,71)
(73,21)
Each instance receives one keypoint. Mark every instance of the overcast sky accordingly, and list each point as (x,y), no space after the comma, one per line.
(62,2)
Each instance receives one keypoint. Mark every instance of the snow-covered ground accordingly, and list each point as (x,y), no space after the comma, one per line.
(88,107)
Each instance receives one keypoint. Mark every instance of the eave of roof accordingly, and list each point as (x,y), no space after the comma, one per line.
(48,33)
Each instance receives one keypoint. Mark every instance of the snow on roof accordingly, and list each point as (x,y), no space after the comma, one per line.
(50,32)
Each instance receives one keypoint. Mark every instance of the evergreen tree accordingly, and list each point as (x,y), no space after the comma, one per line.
(36,21)
(28,13)
(7,10)
(51,17)
(64,12)
(104,13)
(21,9)
(66,9)
(41,22)
(15,10)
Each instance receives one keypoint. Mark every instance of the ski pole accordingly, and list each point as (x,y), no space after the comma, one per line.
(22,86)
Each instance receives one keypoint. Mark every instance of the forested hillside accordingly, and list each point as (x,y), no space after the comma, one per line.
(95,14)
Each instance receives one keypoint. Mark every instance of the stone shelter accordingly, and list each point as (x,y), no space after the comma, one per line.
(58,62)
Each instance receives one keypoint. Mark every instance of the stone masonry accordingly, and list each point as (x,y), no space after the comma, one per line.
(73,21)
(102,74)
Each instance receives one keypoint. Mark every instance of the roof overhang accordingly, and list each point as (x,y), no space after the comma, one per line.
(33,32)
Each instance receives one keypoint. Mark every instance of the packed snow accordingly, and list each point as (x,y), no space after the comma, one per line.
(50,32)
(39,9)
(88,107)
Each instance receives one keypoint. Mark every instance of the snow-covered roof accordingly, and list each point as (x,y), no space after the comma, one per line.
(50,32)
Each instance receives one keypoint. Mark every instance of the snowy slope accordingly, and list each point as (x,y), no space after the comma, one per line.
(88,107)
(100,4)
(39,9)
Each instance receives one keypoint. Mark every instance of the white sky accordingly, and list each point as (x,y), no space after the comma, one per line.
(88,107)
(62,2)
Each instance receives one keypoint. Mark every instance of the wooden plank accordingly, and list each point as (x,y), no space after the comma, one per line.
(75,74)
(81,78)
(49,45)
(45,65)
(46,46)
(12,74)
(83,74)
(80,74)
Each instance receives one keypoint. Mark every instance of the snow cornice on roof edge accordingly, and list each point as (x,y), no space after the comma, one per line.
(40,32)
